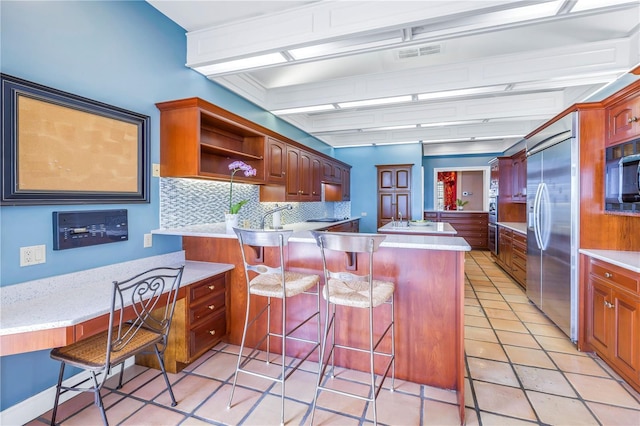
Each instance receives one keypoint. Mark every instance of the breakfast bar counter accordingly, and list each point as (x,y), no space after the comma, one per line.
(429,297)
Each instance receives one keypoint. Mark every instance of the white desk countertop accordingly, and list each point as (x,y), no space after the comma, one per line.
(69,299)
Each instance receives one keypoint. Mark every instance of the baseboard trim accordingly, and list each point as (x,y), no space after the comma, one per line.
(29,409)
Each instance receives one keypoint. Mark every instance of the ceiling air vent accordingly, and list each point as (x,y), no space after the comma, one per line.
(414,52)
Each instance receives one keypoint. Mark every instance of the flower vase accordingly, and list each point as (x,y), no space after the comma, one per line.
(231,220)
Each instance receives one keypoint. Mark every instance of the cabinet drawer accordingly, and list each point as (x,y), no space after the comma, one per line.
(615,275)
(205,335)
(206,288)
(520,238)
(207,308)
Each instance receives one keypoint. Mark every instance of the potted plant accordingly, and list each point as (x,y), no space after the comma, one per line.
(461,204)
(231,218)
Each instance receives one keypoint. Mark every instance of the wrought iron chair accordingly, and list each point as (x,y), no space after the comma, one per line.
(273,282)
(346,287)
(140,317)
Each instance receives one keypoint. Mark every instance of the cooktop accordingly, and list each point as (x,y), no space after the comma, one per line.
(326,219)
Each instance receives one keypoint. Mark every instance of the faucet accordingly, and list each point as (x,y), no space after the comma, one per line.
(276,209)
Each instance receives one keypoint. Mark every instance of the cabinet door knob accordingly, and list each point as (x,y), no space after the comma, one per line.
(212,307)
(608,274)
(608,304)
(632,120)
(212,332)
(212,287)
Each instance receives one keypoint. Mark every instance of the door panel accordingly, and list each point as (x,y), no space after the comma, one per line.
(626,332)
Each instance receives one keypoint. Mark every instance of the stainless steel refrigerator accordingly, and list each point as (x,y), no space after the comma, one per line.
(553,222)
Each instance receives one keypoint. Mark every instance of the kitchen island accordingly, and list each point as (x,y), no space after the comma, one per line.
(429,276)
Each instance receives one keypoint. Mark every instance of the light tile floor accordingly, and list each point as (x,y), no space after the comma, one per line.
(521,369)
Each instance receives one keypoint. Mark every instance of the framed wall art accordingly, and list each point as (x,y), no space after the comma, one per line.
(59,148)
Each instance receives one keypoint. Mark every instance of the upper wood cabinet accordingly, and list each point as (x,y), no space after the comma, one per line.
(198,139)
(394,192)
(392,178)
(519,178)
(298,186)
(276,161)
(623,121)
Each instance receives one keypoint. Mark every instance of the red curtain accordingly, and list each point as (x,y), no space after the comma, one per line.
(449,180)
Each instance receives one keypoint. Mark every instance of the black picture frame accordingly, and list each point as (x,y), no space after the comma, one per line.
(60,148)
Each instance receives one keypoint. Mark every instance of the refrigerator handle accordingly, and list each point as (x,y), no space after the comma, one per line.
(545,216)
(536,216)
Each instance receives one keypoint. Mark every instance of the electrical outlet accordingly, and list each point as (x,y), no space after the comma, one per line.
(148,240)
(363,214)
(155,170)
(33,255)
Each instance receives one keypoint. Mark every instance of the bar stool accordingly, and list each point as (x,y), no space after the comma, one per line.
(273,281)
(343,286)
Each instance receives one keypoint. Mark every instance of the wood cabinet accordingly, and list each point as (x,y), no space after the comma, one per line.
(512,254)
(351,226)
(612,316)
(505,243)
(276,161)
(394,192)
(472,226)
(519,178)
(199,323)
(298,177)
(623,121)
(198,139)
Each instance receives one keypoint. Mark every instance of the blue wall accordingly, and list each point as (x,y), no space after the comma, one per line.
(453,161)
(364,178)
(123,53)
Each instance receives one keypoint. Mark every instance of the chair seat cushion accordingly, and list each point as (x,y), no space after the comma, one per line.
(270,285)
(356,293)
(90,353)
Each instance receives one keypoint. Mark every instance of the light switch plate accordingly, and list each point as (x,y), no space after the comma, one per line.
(155,170)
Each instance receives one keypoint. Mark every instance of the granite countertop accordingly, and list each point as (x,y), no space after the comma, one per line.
(520,227)
(625,259)
(69,299)
(442,228)
(302,234)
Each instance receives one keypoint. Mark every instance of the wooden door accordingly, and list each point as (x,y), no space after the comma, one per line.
(598,316)
(394,192)
(293,174)
(626,332)
(305,176)
(276,165)
(316,179)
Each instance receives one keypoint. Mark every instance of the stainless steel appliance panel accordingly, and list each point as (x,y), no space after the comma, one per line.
(552,232)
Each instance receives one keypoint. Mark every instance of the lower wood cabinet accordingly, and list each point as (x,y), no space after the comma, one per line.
(472,226)
(512,254)
(612,317)
(351,226)
(199,323)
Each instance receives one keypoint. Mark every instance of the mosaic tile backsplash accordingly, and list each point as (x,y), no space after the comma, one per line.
(186,202)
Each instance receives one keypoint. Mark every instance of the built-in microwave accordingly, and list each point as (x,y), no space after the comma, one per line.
(622,179)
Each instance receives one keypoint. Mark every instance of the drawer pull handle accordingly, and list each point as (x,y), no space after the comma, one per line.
(212,307)
(212,332)
(212,287)
(632,120)
(608,274)
(608,304)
